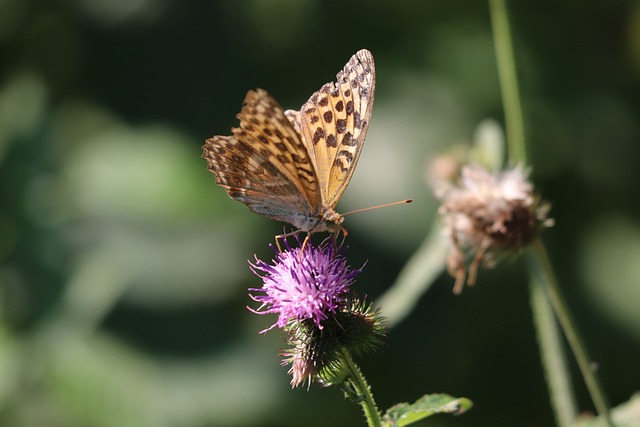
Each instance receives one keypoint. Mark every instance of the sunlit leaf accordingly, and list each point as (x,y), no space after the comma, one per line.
(404,414)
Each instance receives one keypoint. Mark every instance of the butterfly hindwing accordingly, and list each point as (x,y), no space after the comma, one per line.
(264,164)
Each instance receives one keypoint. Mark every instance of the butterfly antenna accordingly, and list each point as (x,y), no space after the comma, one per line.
(401,202)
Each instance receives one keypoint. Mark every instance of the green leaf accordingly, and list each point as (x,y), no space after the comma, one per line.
(404,414)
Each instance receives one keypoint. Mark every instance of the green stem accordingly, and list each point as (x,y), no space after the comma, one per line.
(359,384)
(416,277)
(550,345)
(561,392)
(543,270)
(552,355)
(514,122)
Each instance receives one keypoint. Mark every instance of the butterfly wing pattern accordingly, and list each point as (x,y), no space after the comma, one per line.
(264,163)
(294,166)
(333,124)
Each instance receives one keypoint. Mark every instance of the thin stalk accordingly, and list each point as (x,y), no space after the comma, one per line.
(416,277)
(544,270)
(552,355)
(361,387)
(514,122)
(561,394)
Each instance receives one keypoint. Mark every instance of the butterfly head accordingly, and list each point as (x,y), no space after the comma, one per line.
(332,220)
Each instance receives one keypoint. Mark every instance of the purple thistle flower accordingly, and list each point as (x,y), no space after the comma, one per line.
(308,285)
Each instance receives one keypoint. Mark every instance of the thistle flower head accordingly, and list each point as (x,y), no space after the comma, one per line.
(309,282)
(488,215)
(317,354)
(309,288)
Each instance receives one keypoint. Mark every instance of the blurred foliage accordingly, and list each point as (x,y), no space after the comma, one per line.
(123,275)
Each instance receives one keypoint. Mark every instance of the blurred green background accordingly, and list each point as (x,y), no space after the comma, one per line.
(123,272)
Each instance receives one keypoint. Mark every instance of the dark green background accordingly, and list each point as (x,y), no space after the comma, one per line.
(123,275)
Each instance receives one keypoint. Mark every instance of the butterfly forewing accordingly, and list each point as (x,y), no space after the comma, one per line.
(333,124)
(264,164)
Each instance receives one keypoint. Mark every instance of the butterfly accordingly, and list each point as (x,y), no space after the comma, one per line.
(293,166)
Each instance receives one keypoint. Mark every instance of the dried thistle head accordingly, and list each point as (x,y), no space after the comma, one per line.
(487,216)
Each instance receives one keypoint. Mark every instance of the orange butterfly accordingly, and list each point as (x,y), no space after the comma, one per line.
(293,166)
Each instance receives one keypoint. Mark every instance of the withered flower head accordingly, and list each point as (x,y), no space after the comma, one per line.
(487,216)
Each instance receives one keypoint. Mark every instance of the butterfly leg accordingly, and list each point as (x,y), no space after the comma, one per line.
(284,236)
(336,235)
(304,244)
